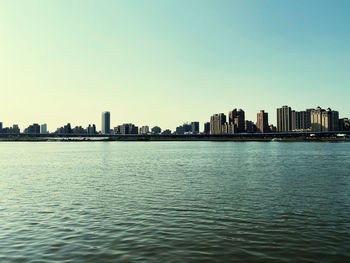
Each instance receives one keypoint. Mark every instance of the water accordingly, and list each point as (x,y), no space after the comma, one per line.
(174,202)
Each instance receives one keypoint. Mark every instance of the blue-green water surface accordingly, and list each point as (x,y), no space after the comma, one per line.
(174,202)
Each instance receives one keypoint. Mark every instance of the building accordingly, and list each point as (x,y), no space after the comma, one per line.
(67,129)
(284,119)
(195,127)
(237,117)
(301,120)
(250,127)
(156,130)
(324,120)
(91,129)
(79,130)
(330,120)
(15,129)
(180,130)
(316,119)
(126,129)
(43,128)
(0,127)
(207,128)
(106,122)
(216,123)
(33,129)
(344,124)
(272,128)
(262,122)
(144,130)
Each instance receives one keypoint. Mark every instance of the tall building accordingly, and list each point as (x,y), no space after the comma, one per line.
(144,130)
(301,120)
(0,127)
(207,128)
(106,122)
(15,129)
(284,119)
(237,117)
(43,128)
(316,119)
(262,122)
(216,123)
(33,129)
(91,129)
(344,124)
(324,120)
(250,127)
(195,127)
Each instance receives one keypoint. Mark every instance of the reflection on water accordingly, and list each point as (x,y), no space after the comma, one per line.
(174,202)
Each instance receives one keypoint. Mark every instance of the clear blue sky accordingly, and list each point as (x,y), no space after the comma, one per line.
(165,62)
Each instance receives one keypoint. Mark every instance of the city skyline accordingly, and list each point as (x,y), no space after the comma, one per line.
(288,120)
(160,63)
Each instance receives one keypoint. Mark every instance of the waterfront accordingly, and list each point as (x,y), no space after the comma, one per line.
(174,202)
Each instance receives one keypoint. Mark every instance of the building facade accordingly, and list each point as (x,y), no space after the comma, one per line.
(237,117)
(195,127)
(284,119)
(217,122)
(301,120)
(324,120)
(43,128)
(106,122)
(262,122)
(207,128)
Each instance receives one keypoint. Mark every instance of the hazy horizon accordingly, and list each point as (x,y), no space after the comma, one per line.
(167,62)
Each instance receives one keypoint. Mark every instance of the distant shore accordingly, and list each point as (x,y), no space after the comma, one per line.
(276,137)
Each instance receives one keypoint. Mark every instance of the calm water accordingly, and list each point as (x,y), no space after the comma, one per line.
(174,202)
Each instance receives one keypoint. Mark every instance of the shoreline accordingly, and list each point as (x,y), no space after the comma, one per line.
(171,139)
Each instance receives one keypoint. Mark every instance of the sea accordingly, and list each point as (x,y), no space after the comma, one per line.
(174,202)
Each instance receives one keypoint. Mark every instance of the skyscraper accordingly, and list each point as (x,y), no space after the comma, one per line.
(262,122)
(195,127)
(207,128)
(324,120)
(237,117)
(301,120)
(106,122)
(43,128)
(216,123)
(284,119)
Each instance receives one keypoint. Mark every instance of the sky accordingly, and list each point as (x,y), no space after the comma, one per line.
(162,62)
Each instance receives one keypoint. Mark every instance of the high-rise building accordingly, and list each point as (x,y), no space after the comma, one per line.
(91,129)
(207,128)
(324,120)
(284,119)
(127,128)
(195,127)
(15,129)
(262,122)
(144,130)
(0,127)
(106,122)
(301,120)
(316,119)
(33,129)
(344,124)
(43,128)
(250,127)
(216,123)
(237,117)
